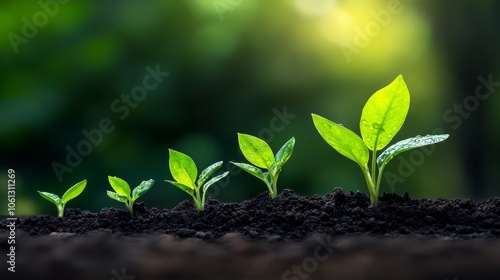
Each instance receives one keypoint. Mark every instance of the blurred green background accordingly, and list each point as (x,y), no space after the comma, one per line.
(257,67)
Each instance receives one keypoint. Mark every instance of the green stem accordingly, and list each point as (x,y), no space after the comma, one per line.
(371,187)
(203,201)
(60,210)
(379,180)
(130,206)
(198,201)
(274,187)
(374,166)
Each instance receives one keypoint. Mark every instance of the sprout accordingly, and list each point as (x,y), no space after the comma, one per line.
(184,171)
(122,191)
(258,152)
(382,117)
(71,193)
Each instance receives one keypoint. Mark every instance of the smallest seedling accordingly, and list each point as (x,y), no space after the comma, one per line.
(122,191)
(60,203)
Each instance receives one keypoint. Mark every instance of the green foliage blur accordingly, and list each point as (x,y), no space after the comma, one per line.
(70,69)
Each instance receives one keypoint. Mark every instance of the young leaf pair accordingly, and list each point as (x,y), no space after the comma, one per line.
(185,172)
(258,153)
(60,203)
(122,191)
(382,117)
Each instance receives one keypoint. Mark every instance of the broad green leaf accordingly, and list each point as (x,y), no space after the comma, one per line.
(74,191)
(120,186)
(205,174)
(343,140)
(183,168)
(256,150)
(384,113)
(214,180)
(50,197)
(183,187)
(117,197)
(254,171)
(284,153)
(142,188)
(408,144)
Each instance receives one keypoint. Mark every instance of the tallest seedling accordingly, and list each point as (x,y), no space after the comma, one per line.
(383,115)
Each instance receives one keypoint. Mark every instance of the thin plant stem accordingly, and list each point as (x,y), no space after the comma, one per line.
(374,166)
(60,210)
(379,180)
(371,187)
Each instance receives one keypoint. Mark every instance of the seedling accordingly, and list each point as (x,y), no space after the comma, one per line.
(60,203)
(122,191)
(184,171)
(258,153)
(382,117)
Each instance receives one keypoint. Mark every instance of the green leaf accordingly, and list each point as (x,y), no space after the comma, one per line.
(256,150)
(267,177)
(142,188)
(74,191)
(408,144)
(51,197)
(254,171)
(183,187)
(205,174)
(183,168)
(384,113)
(117,197)
(214,180)
(120,186)
(274,170)
(343,140)
(284,153)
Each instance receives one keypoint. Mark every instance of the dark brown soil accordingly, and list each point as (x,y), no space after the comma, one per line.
(336,236)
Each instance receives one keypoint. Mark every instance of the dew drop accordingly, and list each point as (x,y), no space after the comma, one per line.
(377,126)
(363,121)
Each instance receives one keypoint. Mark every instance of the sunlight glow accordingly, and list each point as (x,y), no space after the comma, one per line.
(315,7)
